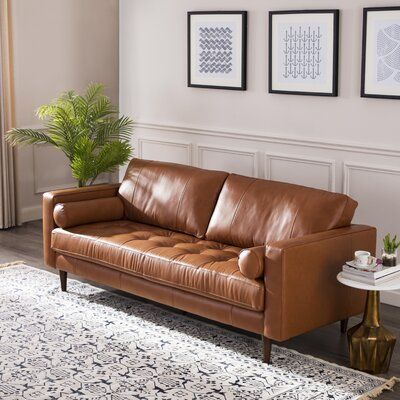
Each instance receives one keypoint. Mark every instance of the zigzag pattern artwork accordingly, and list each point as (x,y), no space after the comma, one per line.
(302,53)
(216,53)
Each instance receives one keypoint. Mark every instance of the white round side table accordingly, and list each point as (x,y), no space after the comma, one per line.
(370,344)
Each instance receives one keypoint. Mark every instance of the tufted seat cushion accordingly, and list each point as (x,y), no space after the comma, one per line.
(175,259)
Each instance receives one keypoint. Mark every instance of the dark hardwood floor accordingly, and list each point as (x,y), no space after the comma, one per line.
(25,243)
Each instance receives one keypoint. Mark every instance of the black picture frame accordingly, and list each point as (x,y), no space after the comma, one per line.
(363,93)
(243,67)
(335,68)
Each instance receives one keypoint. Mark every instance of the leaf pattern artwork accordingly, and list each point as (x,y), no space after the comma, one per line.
(388,53)
(302,49)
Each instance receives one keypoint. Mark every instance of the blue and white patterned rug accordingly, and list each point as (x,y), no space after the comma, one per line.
(95,345)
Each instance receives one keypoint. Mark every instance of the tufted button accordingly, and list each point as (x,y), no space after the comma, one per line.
(192,248)
(163,241)
(219,255)
(141,235)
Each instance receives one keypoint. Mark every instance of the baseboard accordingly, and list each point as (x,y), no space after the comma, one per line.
(391,297)
(27,214)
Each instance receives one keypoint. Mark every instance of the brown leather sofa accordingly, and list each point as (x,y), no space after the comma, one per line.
(255,254)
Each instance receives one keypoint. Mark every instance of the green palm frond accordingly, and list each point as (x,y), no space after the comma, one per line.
(114,129)
(81,106)
(27,136)
(102,108)
(46,111)
(93,91)
(111,155)
(86,128)
(124,126)
(83,162)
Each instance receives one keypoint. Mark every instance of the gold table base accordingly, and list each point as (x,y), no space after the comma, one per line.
(370,344)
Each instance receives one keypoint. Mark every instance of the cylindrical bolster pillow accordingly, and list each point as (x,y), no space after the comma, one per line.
(76,213)
(251,262)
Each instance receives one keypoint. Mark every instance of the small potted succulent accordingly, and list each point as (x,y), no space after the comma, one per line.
(389,252)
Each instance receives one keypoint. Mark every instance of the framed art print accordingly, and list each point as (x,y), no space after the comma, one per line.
(217,46)
(380,75)
(303,52)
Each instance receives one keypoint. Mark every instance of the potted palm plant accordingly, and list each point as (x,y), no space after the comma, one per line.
(389,252)
(86,128)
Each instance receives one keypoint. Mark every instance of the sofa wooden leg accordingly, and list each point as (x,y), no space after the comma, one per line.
(63,280)
(267,350)
(343,325)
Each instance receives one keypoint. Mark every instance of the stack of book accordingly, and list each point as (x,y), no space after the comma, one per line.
(372,276)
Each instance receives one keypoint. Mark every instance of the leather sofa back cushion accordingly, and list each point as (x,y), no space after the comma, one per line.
(84,212)
(252,212)
(172,196)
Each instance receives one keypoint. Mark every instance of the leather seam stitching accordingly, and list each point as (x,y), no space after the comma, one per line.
(282,295)
(238,205)
(90,189)
(344,209)
(294,221)
(152,256)
(181,199)
(54,199)
(136,183)
(149,278)
(291,246)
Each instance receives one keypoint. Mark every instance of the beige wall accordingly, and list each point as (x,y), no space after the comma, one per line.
(345,144)
(58,45)
(154,41)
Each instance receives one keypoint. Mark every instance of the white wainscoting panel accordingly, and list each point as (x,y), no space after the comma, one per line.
(377,188)
(51,169)
(301,170)
(238,161)
(270,137)
(178,152)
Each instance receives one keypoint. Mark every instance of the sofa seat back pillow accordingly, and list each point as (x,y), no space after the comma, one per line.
(251,262)
(253,212)
(67,215)
(172,196)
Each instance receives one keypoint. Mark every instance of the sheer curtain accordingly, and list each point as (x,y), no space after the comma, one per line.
(7,184)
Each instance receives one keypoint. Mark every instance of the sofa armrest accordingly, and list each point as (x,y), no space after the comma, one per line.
(302,292)
(50,199)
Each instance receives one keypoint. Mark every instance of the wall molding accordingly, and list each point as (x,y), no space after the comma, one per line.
(42,189)
(391,297)
(32,213)
(185,145)
(228,150)
(278,139)
(352,166)
(331,164)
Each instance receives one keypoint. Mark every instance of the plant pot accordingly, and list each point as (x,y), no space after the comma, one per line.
(389,259)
